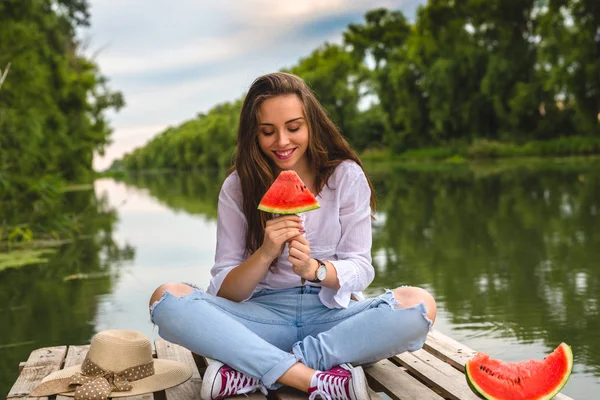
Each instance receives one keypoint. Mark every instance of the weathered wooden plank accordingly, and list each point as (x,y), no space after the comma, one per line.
(374,395)
(437,374)
(561,396)
(398,384)
(251,396)
(288,393)
(201,362)
(40,363)
(448,350)
(75,355)
(145,396)
(440,364)
(190,389)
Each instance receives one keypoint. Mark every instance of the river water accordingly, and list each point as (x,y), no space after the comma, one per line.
(511,254)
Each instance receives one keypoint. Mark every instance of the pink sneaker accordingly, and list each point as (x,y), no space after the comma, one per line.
(343,382)
(221,381)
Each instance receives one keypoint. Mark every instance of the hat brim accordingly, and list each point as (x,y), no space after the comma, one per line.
(167,373)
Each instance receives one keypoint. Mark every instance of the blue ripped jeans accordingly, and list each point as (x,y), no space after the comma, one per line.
(266,335)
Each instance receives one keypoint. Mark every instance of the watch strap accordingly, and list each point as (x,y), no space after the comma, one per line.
(320,264)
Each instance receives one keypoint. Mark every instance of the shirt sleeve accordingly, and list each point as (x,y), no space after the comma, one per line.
(353,265)
(231,228)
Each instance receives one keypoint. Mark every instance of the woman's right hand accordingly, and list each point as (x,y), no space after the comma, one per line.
(278,231)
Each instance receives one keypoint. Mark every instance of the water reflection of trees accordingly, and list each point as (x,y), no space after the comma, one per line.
(55,303)
(517,249)
(191,192)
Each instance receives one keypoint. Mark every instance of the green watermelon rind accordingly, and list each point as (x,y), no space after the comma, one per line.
(569,355)
(288,211)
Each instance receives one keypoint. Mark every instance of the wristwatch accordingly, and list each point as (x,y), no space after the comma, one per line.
(320,272)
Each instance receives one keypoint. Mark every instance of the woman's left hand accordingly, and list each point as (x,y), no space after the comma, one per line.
(299,250)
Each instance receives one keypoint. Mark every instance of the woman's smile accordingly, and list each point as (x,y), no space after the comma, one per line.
(284,154)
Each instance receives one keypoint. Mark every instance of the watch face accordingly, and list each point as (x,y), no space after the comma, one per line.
(322,272)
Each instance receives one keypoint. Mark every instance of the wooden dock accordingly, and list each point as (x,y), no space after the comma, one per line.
(434,372)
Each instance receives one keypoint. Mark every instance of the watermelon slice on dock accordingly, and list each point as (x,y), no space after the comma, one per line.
(526,380)
(288,195)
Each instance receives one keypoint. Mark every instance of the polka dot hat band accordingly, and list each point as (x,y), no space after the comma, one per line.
(119,363)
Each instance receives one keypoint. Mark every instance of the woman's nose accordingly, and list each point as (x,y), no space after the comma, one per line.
(282,139)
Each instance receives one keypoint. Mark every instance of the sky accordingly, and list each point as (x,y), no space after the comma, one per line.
(173,60)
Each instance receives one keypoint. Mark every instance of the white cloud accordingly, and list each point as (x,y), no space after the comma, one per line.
(173,61)
(195,52)
(277,10)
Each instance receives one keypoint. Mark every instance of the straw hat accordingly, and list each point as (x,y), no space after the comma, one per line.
(118,364)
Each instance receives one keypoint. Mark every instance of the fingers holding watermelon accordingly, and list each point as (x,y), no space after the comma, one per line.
(288,195)
(300,242)
(286,220)
(278,231)
(300,257)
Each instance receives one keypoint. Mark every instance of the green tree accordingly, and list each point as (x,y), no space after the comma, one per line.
(52,108)
(207,141)
(569,50)
(334,75)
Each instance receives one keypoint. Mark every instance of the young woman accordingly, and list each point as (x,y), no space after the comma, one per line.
(284,306)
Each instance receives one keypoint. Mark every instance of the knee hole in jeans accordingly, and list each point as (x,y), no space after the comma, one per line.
(176,289)
(409,296)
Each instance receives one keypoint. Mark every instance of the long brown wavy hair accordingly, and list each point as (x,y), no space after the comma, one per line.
(326,148)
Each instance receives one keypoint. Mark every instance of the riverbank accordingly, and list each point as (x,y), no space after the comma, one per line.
(483,149)
(501,157)
(484,167)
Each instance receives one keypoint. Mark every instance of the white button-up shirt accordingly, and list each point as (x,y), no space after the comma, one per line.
(339,232)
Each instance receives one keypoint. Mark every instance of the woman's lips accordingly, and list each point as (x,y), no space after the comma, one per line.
(284,155)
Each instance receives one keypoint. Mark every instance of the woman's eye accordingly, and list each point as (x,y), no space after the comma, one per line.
(268,133)
(294,129)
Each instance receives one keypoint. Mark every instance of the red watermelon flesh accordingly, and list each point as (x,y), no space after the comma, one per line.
(526,380)
(288,195)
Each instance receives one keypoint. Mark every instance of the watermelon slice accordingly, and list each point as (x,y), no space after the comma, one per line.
(526,380)
(288,195)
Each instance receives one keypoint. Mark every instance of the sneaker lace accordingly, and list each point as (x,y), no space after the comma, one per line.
(238,383)
(330,387)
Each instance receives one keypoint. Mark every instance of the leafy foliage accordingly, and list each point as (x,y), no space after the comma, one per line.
(208,140)
(52,109)
(463,73)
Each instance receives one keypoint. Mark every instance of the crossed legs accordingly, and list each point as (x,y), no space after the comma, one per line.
(299,375)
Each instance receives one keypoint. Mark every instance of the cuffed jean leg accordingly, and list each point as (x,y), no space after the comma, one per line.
(375,333)
(206,329)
